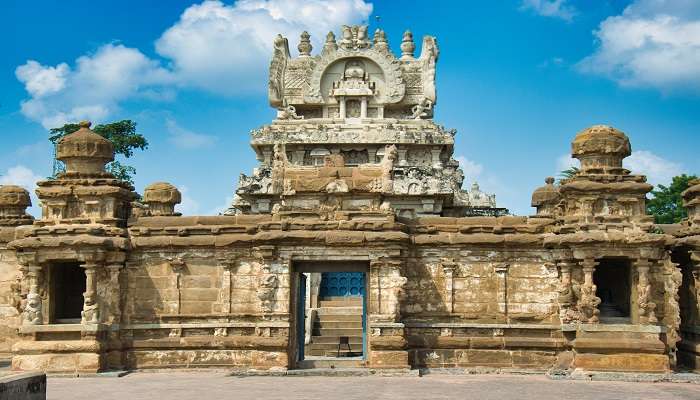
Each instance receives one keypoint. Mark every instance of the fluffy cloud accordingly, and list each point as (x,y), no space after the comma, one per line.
(472,170)
(657,169)
(91,90)
(220,48)
(550,8)
(654,43)
(226,48)
(185,138)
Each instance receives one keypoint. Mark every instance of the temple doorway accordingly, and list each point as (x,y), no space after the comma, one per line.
(613,282)
(331,314)
(67,285)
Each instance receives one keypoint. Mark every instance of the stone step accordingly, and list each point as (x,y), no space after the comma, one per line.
(341,303)
(335,339)
(330,363)
(340,310)
(340,318)
(339,297)
(335,353)
(338,324)
(334,346)
(337,332)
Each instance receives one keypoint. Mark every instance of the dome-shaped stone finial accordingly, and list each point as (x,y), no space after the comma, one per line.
(407,46)
(161,198)
(545,198)
(305,46)
(330,45)
(84,151)
(601,149)
(380,42)
(14,201)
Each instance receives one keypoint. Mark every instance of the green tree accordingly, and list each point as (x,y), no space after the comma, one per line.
(568,173)
(123,136)
(666,204)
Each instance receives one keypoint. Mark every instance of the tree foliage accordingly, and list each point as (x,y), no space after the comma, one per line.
(123,136)
(666,204)
(568,173)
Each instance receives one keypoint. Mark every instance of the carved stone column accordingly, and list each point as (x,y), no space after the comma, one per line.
(115,291)
(177,266)
(644,299)
(390,289)
(226,285)
(448,267)
(501,270)
(588,304)
(695,261)
(32,308)
(567,294)
(91,308)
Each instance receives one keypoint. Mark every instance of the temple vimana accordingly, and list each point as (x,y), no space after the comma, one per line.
(352,244)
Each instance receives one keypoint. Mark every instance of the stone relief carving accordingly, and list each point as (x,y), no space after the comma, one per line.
(267,288)
(278,64)
(32,310)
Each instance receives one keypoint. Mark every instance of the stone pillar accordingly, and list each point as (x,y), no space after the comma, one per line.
(501,270)
(298,157)
(177,266)
(645,302)
(448,268)
(115,291)
(588,303)
(226,285)
(91,309)
(695,261)
(363,108)
(341,112)
(371,155)
(567,294)
(435,154)
(401,151)
(32,308)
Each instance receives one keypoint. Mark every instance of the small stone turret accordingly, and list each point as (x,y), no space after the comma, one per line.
(691,201)
(546,198)
(161,198)
(84,151)
(14,201)
(601,149)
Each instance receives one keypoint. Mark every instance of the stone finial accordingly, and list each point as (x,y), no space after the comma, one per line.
(380,42)
(330,45)
(691,201)
(601,149)
(545,198)
(305,46)
(14,201)
(407,46)
(84,151)
(161,198)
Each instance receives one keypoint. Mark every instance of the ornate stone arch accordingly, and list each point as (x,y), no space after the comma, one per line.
(396,88)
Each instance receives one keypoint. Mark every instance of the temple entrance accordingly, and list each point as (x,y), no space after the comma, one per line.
(613,286)
(67,285)
(331,302)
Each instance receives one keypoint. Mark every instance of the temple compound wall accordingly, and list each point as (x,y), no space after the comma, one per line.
(107,280)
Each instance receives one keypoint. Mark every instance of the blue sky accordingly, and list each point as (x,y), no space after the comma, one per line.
(517,79)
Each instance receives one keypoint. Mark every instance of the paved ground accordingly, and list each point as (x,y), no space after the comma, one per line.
(214,386)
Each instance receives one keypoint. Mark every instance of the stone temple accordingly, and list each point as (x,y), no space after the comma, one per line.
(352,244)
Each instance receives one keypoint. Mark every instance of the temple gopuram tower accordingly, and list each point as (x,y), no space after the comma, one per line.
(354,131)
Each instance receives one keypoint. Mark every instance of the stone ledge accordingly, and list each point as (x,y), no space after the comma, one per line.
(613,328)
(63,328)
(27,386)
(479,326)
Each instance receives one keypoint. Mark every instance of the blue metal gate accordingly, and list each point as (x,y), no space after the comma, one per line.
(340,284)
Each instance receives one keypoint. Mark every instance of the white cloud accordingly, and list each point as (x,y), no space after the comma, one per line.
(222,207)
(472,170)
(564,162)
(226,48)
(653,43)
(186,139)
(93,89)
(221,48)
(658,170)
(22,176)
(550,8)
(188,206)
